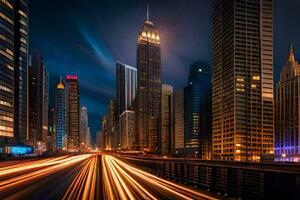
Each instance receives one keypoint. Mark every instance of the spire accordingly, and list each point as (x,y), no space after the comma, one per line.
(292,56)
(147,11)
(60,81)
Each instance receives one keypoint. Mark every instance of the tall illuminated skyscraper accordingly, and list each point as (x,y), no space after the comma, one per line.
(14,70)
(178,120)
(60,117)
(7,70)
(287,136)
(83,126)
(21,48)
(149,88)
(73,112)
(125,115)
(167,117)
(242,79)
(197,111)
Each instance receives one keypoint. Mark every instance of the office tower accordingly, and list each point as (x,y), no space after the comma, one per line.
(99,140)
(149,87)
(83,127)
(88,138)
(73,112)
(14,69)
(178,120)
(112,136)
(242,79)
(127,124)
(104,140)
(126,93)
(167,123)
(21,48)
(60,117)
(38,102)
(287,136)
(7,70)
(197,111)
(52,130)
(126,87)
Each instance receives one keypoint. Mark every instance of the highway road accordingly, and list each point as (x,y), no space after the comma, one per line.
(86,176)
(123,181)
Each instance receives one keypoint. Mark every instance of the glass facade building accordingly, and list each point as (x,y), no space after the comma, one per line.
(38,101)
(60,112)
(242,80)
(125,93)
(7,69)
(197,111)
(21,48)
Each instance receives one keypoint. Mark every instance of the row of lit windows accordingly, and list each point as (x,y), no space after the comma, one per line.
(2,87)
(6,55)
(7,3)
(5,118)
(5,103)
(6,18)
(6,128)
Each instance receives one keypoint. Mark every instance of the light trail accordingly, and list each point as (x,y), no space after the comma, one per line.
(123,181)
(84,184)
(34,171)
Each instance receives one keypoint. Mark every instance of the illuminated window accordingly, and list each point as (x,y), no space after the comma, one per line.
(256,78)
(253,86)
(240,79)
(2,87)
(5,118)
(22,13)
(157,37)
(238,151)
(238,145)
(144,34)
(5,103)
(148,34)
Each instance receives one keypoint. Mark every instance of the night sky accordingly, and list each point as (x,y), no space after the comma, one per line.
(86,37)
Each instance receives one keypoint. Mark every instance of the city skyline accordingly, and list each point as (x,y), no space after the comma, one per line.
(184,96)
(76,54)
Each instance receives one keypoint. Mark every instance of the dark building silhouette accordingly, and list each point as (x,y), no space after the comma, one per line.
(197,111)
(38,102)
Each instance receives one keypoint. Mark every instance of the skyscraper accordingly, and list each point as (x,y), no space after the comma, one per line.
(167,117)
(179,120)
(126,93)
(52,130)
(242,79)
(21,48)
(149,88)
(287,136)
(38,102)
(73,112)
(111,124)
(127,125)
(14,71)
(197,111)
(83,127)
(7,70)
(60,112)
